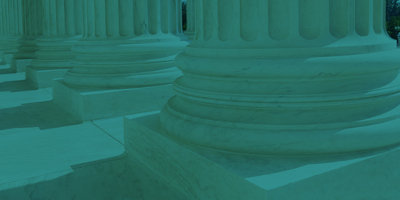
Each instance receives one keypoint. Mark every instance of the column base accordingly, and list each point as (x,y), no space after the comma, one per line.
(19,65)
(41,78)
(6,58)
(190,35)
(202,173)
(89,104)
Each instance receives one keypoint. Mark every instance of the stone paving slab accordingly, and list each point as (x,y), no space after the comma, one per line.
(45,153)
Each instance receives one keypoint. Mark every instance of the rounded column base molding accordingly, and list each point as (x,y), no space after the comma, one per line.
(54,52)
(123,80)
(9,44)
(283,140)
(125,63)
(256,49)
(27,48)
(293,106)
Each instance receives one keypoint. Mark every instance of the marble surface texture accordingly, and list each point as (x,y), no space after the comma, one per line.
(203,173)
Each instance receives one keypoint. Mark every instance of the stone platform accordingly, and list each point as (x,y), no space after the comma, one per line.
(41,78)
(202,173)
(88,104)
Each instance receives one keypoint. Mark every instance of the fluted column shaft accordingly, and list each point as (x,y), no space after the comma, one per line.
(287,77)
(32,22)
(62,26)
(190,19)
(11,27)
(283,25)
(123,38)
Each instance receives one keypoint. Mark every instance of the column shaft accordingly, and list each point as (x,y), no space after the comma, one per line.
(190,19)
(11,29)
(300,24)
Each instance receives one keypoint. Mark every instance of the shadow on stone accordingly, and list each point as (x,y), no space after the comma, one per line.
(44,115)
(16,86)
(118,177)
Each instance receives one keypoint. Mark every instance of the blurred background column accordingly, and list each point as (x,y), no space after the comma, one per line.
(190,19)
(11,28)
(125,58)
(32,12)
(61,29)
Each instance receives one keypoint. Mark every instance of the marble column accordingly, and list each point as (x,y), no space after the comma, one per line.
(287,77)
(32,29)
(62,27)
(190,19)
(11,28)
(126,54)
(177,9)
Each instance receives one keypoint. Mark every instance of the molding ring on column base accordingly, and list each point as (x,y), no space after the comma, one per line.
(124,63)
(27,48)
(284,140)
(125,80)
(286,125)
(9,44)
(54,53)
(229,106)
(234,51)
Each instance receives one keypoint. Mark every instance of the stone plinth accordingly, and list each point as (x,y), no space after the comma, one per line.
(9,45)
(44,77)
(63,26)
(201,173)
(53,60)
(126,50)
(25,53)
(6,57)
(19,65)
(91,103)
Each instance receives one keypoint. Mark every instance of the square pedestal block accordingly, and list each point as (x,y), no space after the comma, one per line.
(202,173)
(19,65)
(88,104)
(6,58)
(41,78)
